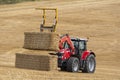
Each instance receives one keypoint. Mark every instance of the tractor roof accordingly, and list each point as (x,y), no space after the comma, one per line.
(82,39)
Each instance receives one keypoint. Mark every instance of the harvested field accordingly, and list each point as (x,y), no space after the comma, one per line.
(97,19)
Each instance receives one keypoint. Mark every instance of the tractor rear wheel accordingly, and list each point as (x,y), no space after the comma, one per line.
(73,64)
(90,64)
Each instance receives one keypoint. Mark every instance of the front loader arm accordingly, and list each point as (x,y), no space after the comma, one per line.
(67,39)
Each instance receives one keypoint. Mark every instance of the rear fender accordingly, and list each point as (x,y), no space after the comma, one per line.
(86,54)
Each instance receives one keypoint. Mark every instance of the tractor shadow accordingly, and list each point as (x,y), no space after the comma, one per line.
(79,72)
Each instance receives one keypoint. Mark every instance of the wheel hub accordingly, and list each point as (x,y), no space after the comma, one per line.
(75,66)
(91,64)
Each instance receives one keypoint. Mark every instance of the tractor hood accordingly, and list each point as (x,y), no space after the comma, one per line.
(64,50)
(64,54)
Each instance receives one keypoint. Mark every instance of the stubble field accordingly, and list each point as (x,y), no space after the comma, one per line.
(97,19)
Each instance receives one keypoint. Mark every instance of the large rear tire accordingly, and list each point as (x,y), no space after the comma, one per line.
(90,64)
(73,64)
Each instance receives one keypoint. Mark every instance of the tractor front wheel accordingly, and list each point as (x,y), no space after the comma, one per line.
(90,64)
(73,64)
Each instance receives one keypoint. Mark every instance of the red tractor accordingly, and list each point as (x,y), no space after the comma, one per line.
(74,56)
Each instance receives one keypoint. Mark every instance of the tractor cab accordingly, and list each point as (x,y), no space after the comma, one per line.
(79,45)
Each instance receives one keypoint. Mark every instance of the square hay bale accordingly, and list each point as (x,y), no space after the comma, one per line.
(41,41)
(36,61)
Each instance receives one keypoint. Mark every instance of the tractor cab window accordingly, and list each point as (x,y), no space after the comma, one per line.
(82,45)
(66,45)
(76,44)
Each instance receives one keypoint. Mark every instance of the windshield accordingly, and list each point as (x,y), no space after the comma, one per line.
(75,43)
(79,44)
(66,45)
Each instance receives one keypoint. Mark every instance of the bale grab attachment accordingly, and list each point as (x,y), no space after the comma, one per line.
(50,28)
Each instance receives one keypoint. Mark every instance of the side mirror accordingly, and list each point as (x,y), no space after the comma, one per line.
(88,39)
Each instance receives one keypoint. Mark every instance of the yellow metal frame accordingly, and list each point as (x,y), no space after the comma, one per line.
(44,15)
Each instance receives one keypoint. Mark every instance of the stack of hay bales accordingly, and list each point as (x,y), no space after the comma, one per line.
(38,60)
(41,41)
(38,48)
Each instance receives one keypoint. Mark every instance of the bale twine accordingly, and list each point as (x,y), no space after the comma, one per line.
(36,61)
(41,41)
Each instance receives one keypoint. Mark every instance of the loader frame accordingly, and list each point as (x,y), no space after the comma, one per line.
(50,28)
